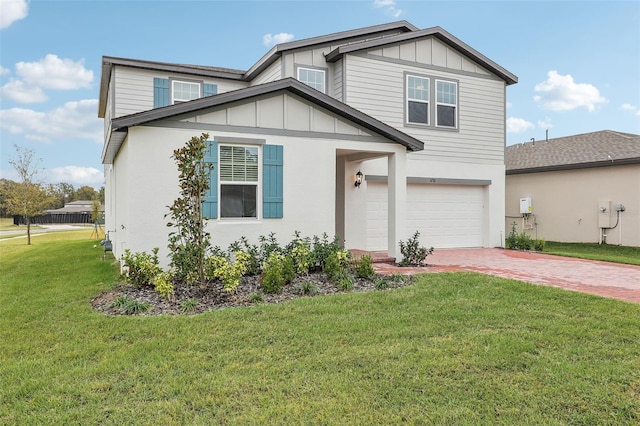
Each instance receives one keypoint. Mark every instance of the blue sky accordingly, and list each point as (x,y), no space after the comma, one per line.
(578,63)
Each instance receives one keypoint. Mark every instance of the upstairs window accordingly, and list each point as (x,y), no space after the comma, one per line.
(446,103)
(238,181)
(417,100)
(312,77)
(183,91)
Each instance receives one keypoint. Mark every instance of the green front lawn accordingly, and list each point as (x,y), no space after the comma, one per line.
(458,348)
(605,252)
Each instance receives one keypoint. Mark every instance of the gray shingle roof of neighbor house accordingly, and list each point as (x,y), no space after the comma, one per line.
(596,149)
(121,124)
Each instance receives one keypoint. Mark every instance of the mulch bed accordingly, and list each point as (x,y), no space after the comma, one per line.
(213,296)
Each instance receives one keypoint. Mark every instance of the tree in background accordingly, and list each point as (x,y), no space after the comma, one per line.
(6,186)
(62,193)
(28,198)
(84,193)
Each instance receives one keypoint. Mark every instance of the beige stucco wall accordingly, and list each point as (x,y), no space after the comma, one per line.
(565,204)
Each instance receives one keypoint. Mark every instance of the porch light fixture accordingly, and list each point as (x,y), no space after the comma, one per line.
(358,179)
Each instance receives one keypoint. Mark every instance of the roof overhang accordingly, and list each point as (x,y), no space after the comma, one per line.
(560,167)
(436,32)
(121,125)
(108,62)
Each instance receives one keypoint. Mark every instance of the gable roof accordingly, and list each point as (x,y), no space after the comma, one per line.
(596,149)
(436,32)
(377,31)
(120,125)
(198,70)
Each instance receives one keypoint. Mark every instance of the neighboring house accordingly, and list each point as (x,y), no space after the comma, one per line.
(418,112)
(582,188)
(73,212)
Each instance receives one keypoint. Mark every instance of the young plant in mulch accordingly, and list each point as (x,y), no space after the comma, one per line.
(188,240)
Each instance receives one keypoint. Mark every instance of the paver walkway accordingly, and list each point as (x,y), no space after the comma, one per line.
(589,276)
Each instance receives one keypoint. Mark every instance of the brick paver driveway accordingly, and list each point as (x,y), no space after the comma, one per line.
(588,276)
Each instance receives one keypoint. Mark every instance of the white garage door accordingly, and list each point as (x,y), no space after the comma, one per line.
(447,216)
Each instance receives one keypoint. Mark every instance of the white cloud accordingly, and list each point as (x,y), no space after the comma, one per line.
(76,175)
(518,125)
(52,72)
(545,124)
(631,108)
(561,93)
(49,72)
(18,91)
(389,7)
(73,120)
(12,11)
(4,71)
(273,39)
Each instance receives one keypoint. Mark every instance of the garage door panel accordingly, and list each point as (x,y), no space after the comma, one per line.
(447,216)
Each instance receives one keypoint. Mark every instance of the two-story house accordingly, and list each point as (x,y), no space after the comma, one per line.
(417,115)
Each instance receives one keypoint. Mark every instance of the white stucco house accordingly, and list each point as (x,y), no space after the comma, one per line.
(419,113)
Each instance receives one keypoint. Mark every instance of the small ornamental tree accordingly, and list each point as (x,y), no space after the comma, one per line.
(27,198)
(188,242)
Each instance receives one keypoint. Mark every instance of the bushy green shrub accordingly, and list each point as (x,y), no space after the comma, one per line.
(520,241)
(301,256)
(524,241)
(307,288)
(229,273)
(322,250)
(277,271)
(363,267)
(412,253)
(268,245)
(539,244)
(380,283)
(336,265)
(345,282)
(141,267)
(253,262)
(163,284)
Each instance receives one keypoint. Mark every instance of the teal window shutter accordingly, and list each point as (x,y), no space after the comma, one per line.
(210,203)
(160,92)
(209,89)
(272,187)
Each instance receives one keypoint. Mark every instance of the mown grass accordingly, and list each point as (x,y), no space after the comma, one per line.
(605,252)
(457,348)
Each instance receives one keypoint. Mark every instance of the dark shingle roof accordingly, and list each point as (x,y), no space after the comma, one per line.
(596,149)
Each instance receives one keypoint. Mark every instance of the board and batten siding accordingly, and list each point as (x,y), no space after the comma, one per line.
(376,87)
(134,88)
(272,73)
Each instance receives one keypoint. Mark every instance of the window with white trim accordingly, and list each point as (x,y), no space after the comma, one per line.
(417,100)
(312,77)
(238,167)
(446,103)
(183,91)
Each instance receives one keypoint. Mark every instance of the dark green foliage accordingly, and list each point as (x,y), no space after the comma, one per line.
(253,264)
(307,288)
(363,267)
(322,249)
(141,268)
(188,305)
(521,241)
(336,265)
(412,253)
(539,244)
(277,271)
(188,241)
(381,284)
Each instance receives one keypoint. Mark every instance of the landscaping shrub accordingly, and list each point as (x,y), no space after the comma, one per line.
(163,284)
(363,267)
(188,305)
(307,288)
(539,244)
(512,238)
(524,241)
(229,273)
(322,249)
(336,265)
(301,256)
(253,262)
(141,267)
(277,270)
(129,306)
(413,254)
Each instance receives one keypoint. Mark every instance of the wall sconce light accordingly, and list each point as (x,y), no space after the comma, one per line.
(359,179)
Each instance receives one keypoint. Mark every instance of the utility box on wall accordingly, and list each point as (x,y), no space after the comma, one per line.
(525,205)
(604,214)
